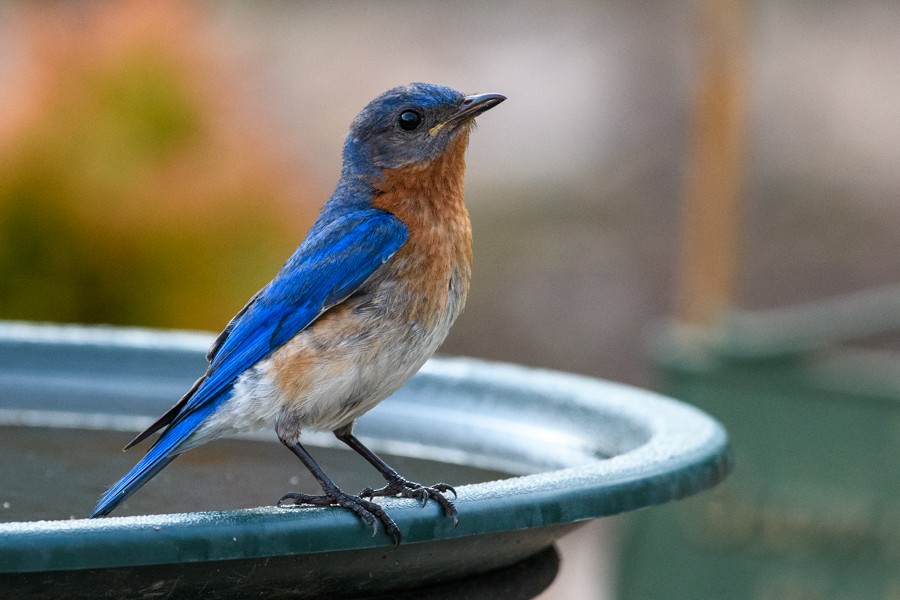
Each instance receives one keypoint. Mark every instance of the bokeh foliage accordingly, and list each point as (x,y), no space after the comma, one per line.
(125,200)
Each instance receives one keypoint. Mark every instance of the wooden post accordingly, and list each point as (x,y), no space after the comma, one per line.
(713,169)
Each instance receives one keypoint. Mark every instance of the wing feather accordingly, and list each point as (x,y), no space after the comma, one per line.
(332,263)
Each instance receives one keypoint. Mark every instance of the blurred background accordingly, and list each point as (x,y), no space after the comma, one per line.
(159,160)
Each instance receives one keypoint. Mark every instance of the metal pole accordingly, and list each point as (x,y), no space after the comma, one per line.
(713,168)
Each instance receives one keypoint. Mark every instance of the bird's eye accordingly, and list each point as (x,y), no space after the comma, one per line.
(409,120)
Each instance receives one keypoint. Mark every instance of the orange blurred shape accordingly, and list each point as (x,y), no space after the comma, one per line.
(138,184)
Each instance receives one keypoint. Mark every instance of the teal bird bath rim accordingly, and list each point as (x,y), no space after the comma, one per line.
(556,450)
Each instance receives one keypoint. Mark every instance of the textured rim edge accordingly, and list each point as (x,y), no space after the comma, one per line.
(687,453)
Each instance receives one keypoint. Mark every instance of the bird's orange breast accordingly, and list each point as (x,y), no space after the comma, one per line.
(429,200)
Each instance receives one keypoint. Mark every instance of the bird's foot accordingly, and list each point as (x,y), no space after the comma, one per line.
(408,489)
(366,510)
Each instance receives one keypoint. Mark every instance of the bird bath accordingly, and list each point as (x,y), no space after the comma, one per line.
(533,454)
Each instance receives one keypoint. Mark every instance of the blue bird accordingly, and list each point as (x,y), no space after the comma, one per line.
(358,308)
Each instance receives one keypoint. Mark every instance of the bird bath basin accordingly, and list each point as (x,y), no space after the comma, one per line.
(532,454)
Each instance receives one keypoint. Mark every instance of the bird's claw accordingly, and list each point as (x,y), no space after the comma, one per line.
(294,499)
(408,489)
(366,510)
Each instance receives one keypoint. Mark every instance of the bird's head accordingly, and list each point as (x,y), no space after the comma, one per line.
(409,125)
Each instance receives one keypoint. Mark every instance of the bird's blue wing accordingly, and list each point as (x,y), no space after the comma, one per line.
(330,265)
(334,260)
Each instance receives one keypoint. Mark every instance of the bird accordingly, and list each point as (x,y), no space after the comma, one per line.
(368,296)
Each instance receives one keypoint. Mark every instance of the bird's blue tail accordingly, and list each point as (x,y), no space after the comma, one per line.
(164,451)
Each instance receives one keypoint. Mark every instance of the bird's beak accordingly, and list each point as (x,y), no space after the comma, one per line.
(469,108)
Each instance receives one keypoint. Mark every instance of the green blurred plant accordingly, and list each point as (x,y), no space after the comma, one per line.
(116,207)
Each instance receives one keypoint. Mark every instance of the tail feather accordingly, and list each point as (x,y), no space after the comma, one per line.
(165,450)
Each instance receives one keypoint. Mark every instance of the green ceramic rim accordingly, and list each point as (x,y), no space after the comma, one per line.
(592,448)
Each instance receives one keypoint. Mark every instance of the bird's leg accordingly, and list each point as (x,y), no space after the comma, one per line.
(397,485)
(367,510)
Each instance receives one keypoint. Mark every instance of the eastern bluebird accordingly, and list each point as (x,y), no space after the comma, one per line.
(358,308)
